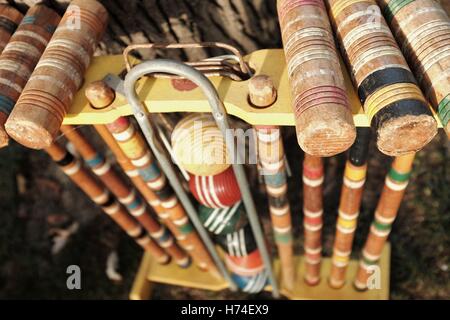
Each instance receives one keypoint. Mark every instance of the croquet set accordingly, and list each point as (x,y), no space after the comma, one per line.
(350,71)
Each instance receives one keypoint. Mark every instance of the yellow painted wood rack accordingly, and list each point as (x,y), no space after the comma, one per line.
(160,95)
(150,272)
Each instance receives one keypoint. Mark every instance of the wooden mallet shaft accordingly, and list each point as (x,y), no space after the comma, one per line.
(98,193)
(127,196)
(385,214)
(313,176)
(392,100)
(133,145)
(263,93)
(349,205)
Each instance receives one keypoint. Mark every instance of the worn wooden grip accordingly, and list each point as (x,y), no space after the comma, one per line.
(41,108)
(350,202)
(20,57)
(323,118)
(385,214)
(9,20)
(313,176)
(422,28)
(393,102)
(73,168)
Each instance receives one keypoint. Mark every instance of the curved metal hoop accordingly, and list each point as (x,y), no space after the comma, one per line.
(215,66)
(220,115)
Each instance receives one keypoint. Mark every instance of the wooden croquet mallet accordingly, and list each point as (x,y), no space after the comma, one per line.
(262,93)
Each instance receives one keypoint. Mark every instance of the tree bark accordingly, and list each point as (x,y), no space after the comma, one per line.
(247,24)
(446,5)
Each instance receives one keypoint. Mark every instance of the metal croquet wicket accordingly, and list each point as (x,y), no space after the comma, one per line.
(220,116)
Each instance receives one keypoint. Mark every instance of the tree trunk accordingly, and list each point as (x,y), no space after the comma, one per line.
(247,24)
